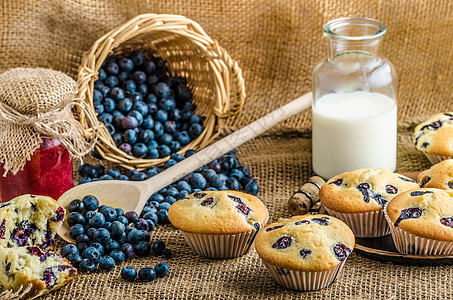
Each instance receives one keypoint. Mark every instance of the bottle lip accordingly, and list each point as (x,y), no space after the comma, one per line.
(374,29)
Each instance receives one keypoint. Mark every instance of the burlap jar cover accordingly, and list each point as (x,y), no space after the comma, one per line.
(36,103)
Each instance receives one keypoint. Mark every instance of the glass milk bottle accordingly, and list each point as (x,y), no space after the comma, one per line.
(354,100)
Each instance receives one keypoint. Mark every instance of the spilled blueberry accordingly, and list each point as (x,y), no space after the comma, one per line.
(341,251)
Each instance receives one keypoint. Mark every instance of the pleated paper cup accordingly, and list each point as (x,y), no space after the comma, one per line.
(367,224)
(434,159)
(408,243)
(220,245)
(304,280)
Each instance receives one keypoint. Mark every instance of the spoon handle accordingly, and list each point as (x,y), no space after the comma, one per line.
(222,146)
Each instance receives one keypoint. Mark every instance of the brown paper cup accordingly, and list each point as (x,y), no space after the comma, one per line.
(368,224)
(304,281)
(408,243)
(220,245)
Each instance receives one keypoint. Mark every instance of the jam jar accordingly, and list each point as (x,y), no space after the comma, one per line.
(49,172)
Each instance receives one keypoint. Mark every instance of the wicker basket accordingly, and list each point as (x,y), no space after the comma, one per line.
(189,52)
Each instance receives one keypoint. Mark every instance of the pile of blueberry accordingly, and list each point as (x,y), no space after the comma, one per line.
(104,236)
(147,113)
(224,173)
(145,274)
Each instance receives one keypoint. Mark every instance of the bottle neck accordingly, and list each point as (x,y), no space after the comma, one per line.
(337,47)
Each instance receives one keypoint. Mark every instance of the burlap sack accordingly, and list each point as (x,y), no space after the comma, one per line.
(37,103)
(277,44)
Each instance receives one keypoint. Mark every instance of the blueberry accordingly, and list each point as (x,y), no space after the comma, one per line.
(409,213)
(183,93)
(101,74)
(129,122)
(142,89)
(106,118)
(139,150)
(83,238)
(110,214)
(252,188)
(101,235)
(69,249)
(98,246)
(97,220)
(106,263)
(152,152)
(166,253)
(162,215)
(161,269)
(141,224)
(139,77)
(182,194)
(92,254)
(148,123)
(151,98)
(142,249)
(75,218)
(114,173)
(341,251)
(164,151)
(134,236)
(183,138)
(90,232)
(125,105)
(165,139)
(151,216)
(86,265)
(138,57)
(158,129)
(111,245)
(97,97)
(185,115)
(215,166)
(195,119)
(152,108)
(147,274)
(82,246)
(161,116)
(245,170)
(117,94)
(112,68)
(166,205)
(117,228)
(158,197)
(233,184)
(74,259)
(76,230)
(152,171)
(167,104)
(141,107)
(195,130)
(123,177)
(283,242)
(118,255)
(128,250)
(162,90)
(157,247)
(128,273)
(237,173)
(90,202)
(132,172)
(131,216)
(125,147)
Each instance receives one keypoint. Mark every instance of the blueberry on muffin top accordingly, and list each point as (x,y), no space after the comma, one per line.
(435,135)
(305,243)
(363,190)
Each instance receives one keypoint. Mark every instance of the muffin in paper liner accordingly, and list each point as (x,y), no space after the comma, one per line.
(304,281)
(364,225)
(305,253)
(219,224)
(408,243)
(220,245)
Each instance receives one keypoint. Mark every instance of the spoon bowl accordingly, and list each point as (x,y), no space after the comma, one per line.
(133,195)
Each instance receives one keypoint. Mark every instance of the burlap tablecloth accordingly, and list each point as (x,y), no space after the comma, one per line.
(277,43)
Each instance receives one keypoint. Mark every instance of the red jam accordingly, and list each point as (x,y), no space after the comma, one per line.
(49,173)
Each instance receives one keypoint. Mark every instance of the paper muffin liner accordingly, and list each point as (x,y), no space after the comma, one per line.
(303,280)
(220,245)
(408,243)
(367,224)
(434,159)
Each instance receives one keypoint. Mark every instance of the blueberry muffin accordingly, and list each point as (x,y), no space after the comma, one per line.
(421,221)
(305,252)
(219,224)
(357,198)
(22,266)
(439,176)
(30,220)
(434,137)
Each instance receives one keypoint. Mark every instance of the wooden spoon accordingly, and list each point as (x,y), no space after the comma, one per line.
(133,195)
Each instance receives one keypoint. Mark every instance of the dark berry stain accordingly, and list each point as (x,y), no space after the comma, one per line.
(22,232)
(407,179)
(379,199)
(337,182)
(323,221)
(241,207)
(450,184)
(199,195)
(409,213)
(302,222)
(7,268)
(38,252)
(341,251)
(364,188)
(425,181)
(305,252)
(3,229)
(235,199)
(419,193)
(447,221)
(283,242)
(390,189)
(425,145)
(208,201)
(4,204)
(274,228)
(59,215)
